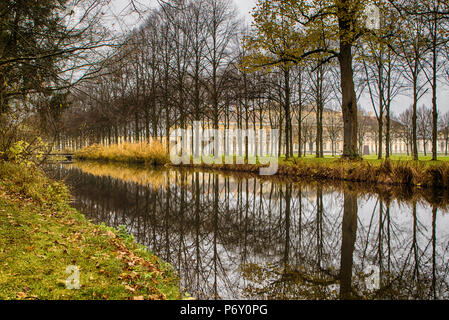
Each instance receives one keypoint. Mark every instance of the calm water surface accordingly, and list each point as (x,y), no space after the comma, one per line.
(232,237)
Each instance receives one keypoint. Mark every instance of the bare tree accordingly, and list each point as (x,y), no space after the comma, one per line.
(424,119)
(444,129)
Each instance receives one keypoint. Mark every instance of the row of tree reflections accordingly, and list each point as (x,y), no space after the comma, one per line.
(231,237)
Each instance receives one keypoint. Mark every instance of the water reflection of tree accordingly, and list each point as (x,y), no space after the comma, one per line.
(234,238)
(349,233)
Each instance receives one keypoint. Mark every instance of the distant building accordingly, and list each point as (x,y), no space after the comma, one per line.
(333,132)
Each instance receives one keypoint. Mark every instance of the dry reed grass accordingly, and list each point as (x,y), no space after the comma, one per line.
(153,153)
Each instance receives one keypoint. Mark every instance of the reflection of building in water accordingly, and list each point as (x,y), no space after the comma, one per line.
(238,238)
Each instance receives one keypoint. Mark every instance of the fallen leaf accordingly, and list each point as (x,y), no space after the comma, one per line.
(130,288)
(21,295)
(110,234)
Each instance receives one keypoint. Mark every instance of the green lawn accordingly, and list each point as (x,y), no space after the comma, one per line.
(371,159)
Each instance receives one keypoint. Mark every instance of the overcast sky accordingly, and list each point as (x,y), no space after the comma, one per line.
(123,15)
(245,6)
(124,21)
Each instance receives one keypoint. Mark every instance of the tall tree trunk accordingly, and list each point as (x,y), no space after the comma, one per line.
(346,22)
(414,120)
(434,93)
(381,108)
(349,102)
(318,112)
(287,113)
(387,110)
(136,127)
(299,113)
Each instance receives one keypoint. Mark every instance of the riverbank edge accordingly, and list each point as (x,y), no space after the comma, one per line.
(387,172)
(41,235)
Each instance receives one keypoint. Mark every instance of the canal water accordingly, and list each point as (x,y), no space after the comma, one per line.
(240,237)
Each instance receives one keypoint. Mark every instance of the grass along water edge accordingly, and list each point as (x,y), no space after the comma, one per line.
(41,235)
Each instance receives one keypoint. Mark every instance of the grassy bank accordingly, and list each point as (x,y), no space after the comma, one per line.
(397,171)
(41,235)
(384,172)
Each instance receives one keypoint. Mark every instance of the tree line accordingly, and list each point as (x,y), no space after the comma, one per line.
(197,60)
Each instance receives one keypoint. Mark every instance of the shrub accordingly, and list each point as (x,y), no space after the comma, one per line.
(30,181)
